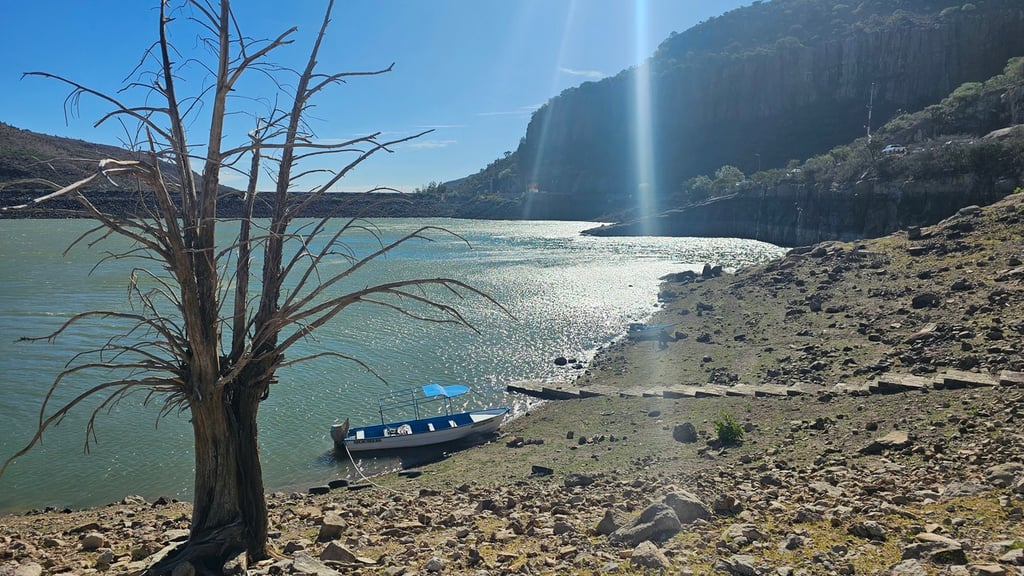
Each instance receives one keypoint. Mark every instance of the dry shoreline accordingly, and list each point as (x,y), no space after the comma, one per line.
(809,491)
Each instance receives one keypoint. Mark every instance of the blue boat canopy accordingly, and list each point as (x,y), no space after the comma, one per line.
(450,391)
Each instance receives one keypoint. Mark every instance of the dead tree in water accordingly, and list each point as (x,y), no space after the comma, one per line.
(174,343)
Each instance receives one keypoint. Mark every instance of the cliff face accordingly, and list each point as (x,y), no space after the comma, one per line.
(790,214)
(760,108)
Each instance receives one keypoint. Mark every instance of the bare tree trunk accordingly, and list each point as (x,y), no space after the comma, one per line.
(252,498)
(229,512)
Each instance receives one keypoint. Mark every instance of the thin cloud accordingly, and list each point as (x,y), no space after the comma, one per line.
(591,74)
(430,144)
(440,126)
(521,111)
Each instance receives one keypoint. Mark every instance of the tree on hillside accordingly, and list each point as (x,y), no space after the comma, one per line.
(210,324)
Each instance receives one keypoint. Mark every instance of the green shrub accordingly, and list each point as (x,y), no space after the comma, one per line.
(728,430)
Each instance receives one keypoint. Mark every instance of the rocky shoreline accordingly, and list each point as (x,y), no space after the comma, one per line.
(919,480)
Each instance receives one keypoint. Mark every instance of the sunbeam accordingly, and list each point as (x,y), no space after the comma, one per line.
(641,128)
(534,184)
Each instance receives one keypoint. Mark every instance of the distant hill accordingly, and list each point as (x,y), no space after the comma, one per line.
(25,154)
(28,155)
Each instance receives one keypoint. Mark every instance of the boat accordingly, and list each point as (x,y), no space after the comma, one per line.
(641,331)
(420,430)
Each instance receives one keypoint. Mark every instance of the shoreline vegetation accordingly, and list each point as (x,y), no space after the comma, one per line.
(886,440)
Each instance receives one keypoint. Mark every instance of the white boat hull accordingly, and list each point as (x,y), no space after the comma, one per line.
(420,432)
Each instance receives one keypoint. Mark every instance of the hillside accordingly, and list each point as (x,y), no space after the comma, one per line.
(28,155)
(755,88)
(916,170)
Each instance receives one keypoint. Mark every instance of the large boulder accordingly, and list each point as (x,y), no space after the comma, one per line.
(657,522)
(687,506)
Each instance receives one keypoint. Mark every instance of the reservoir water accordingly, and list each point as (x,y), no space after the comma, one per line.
(570,295)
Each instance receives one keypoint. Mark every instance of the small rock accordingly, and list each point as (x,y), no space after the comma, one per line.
(961,285)
(562,527)
(305,564)
(895,440)
(28,569)
(434,565)
(687,506)
(657,521)
(610,523)
(935,548)
(337,553)
(725,505)
(907,568)
(925,300)
(332,527)
(1004,475)
(739,565)
(746,533)
(988,570)
(144,550)
(648,555)
(685,432)
(293,546)
(1014,557)
(536,470)
(868,529)
(93,541)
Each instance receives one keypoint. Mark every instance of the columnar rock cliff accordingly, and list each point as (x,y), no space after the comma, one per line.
(758,106)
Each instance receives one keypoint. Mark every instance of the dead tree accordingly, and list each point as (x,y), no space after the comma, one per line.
(198,336)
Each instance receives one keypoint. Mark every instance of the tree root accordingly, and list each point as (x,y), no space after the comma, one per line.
(207,555)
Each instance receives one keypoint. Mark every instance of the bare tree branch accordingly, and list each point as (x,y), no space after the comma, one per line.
(185,289)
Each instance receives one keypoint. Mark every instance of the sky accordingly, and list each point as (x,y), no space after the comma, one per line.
(471,70)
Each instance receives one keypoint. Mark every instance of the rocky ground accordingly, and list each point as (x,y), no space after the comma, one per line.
(918,477)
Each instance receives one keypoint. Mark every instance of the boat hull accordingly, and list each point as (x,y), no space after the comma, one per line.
(415,433)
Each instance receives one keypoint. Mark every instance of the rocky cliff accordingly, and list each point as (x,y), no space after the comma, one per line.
(792,214)
(758,107)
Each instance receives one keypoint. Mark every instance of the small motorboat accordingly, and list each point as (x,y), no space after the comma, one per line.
(420,430)
(640,331)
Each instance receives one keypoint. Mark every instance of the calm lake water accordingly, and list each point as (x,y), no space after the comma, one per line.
(570,295)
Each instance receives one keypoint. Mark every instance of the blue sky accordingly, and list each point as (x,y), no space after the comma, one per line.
(473,70)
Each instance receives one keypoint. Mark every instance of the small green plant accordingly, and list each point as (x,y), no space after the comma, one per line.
(1018,190)
(727,429)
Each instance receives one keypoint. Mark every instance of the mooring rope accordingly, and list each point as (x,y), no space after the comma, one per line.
(367,479)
